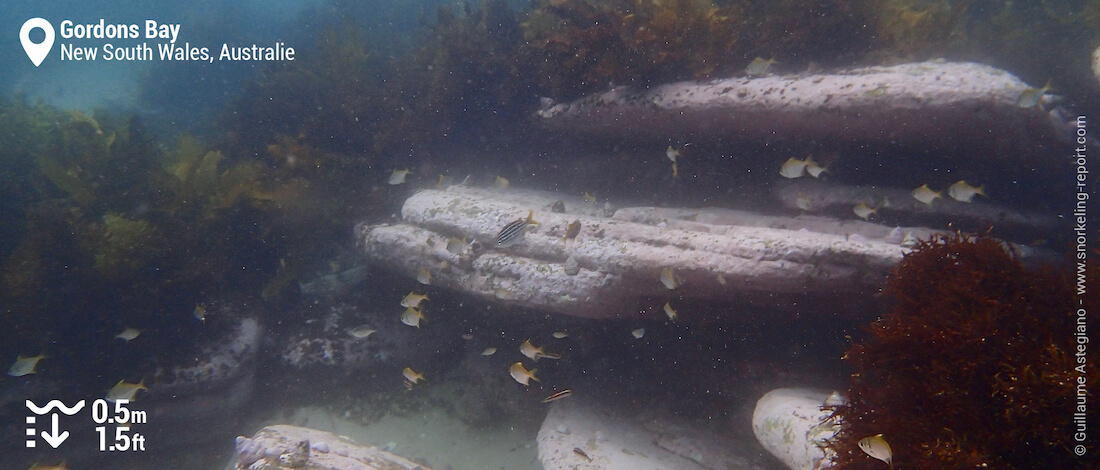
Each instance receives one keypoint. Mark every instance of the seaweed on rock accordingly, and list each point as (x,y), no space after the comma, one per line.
(580,46)
(973,368)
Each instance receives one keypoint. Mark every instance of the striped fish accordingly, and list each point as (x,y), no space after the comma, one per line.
(513,232)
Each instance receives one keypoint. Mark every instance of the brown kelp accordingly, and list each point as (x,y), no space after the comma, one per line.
(972,368)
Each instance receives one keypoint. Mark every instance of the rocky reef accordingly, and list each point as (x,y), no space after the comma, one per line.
(614,264)
(959,103)
(283,447)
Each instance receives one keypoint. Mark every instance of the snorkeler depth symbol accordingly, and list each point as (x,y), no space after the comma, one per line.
(52,437)
(36,52)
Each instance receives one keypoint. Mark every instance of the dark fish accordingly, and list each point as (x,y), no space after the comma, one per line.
(558,396)
(513,232)
(558,207)
(578,451)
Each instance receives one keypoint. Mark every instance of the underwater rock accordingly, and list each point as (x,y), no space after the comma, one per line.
(791,424)
(193,403)
(977,216)
(622,256)
(621,439)
(285,447)
(956,102)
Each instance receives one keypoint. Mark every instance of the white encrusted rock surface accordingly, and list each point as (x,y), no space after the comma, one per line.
(283,446)
(792,425)
(621,258)
(952,101)
(607,439)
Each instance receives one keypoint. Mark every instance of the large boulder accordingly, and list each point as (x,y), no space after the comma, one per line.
(285,447)
(956,103)
(794,425)
(614,266)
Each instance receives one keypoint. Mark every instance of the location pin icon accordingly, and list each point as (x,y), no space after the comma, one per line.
(37,52)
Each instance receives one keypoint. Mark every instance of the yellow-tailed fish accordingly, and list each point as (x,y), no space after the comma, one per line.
(638,333)
(572,230)
(129,334)
(467,336)
(803,202)
(675,170)
(672,153)
(456,246)
(925,194)
(864,211)
(361,332)
(412,317)
(759,66)
(671,312)
(200,313)
(398,176)
(533,352)
(721,279)
(124,390)
(522,375)
(589,198)
(793,168)
(412,376)
(503,293)
(877,447)
(877,92)
(1031,96)
(424,277)
(670,279)
(37,466)
(964,192)
(814,169)
(557,396)
(25,365)
(560,334)
(513,232)
(489,351)
(443,182)
(502,183)
(413,300)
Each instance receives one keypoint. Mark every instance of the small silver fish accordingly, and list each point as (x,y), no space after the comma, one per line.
(1031,96)
(521,374)
(124,390)
(925,194)
(759,66)
(25,365)
(670,279)
(864,211)
(964,192)
(412,317)
(877,447)
(129,334)
(672,153)
(398,177)
(794,168)
(424,277)
(361,332)
(671,312)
